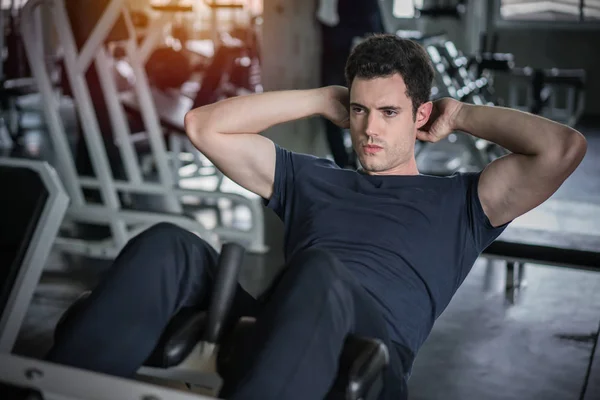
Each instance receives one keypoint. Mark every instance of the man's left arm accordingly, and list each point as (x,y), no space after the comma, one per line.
(544,154)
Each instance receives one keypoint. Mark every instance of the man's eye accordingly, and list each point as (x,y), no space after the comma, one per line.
(390,113)
(356,109)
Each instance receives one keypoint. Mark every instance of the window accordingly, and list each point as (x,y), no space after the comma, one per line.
(546,10)
(15,4)
(406,8)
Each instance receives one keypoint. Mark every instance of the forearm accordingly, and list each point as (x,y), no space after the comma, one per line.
(254,113)
(516,131)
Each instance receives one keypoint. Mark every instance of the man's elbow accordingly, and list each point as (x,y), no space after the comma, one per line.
(191,122)
(570,154)
(576,148)
(196,123)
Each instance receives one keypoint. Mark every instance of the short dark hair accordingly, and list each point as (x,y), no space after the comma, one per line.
(383,55)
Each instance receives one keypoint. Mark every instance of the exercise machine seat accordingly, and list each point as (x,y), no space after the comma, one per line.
(361,362)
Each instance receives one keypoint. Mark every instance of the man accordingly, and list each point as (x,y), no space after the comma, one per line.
(379,252)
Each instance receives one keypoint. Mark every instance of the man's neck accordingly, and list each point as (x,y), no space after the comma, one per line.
(407,168)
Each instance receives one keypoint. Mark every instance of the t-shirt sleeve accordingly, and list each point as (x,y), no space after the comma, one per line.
(288,166)
(482,230)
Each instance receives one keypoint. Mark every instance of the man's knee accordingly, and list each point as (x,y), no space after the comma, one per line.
(165,236)
(172,244)
(162,231)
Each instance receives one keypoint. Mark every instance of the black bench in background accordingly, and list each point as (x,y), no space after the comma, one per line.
(517,246)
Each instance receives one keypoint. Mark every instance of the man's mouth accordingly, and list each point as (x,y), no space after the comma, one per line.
(372,149)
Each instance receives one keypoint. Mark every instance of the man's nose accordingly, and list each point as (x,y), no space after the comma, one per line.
(372,125)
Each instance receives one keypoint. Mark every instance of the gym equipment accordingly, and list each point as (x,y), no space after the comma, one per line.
(13,66)
(361,362)
(546,89)
(453,66)
(23,378)
(83,47)
(15,77)
(442,9)
(233,67)
(459,152)
(168,68)
(490,60)
(551,234)
(32,208)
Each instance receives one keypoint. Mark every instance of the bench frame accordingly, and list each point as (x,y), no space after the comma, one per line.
(49,379)
(580,253)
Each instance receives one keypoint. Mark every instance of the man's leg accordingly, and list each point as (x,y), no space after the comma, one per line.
(158,272)
(369,322)
(294,351)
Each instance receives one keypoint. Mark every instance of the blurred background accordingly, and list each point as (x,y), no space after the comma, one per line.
(92,100)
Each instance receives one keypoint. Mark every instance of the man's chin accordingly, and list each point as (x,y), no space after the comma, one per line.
(370,164)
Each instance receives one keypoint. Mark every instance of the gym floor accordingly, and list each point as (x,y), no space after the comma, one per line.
(480,348)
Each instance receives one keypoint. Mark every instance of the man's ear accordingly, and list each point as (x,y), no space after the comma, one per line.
(423,114)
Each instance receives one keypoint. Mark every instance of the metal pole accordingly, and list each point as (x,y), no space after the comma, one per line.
(64,161)
(76,67)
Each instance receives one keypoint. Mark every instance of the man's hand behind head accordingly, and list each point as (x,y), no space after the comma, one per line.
(336,100)
(442,120)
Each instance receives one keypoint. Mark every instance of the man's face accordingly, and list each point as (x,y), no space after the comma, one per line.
(382,125)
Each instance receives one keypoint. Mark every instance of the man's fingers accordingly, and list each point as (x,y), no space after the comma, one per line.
(424,136)
(345,123)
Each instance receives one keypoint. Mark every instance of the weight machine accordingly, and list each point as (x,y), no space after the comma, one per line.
(114,24)
(456,77)
(555,93)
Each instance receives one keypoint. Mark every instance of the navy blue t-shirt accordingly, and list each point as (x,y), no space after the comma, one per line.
(410,240)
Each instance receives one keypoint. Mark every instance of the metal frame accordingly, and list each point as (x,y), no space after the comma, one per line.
(37,251)
(198,369)
(57,382)
(124,224)
(574,100)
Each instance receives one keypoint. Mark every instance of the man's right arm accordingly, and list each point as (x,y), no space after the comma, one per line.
(228,132)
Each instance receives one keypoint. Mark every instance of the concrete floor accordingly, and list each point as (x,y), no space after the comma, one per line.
(480,348)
